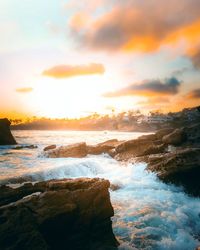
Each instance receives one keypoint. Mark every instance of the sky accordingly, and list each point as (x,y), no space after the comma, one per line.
(73,58)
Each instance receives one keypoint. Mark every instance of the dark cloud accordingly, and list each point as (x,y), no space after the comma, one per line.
(194,94)
(65,71)
(169,86)
(24,90)
(138,24)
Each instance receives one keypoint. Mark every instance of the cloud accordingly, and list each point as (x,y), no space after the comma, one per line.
(24,90)
(195,58)
(65,71)
(169,86)
(194,94)
(140,25)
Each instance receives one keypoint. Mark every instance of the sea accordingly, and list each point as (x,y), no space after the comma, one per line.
(149,214)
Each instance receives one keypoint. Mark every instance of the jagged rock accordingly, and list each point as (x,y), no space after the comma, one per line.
(76,150)
(6,138)
(181,167)
(49,147)
(177,137)
(65,214)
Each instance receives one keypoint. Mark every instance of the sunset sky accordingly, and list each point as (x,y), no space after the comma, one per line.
(72,58)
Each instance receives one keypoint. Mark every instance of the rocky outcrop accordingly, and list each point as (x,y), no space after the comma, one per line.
(63,214)
(181,167)
(76,150)
(6,138)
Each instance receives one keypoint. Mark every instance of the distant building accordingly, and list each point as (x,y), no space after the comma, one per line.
(155,119)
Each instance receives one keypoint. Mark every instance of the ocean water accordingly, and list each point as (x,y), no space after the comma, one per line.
(149,214)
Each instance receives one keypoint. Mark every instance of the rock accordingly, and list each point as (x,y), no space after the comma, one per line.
(22,147)
(177,137)
(151,137)
(132,148)
(66,214)
(181,167)
(6,138)
(162,132)
(76,150)
(104,147)
(154,149)
(49,147)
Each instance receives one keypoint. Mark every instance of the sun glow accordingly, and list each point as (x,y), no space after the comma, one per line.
(73,97)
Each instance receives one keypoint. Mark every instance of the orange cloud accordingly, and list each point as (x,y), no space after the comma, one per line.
(65,71)
(24,90)
(143,25)
(194,94)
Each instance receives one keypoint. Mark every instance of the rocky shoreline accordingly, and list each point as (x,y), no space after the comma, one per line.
(76,213)
(174,154)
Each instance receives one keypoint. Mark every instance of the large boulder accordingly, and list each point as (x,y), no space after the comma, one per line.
(181,167)
(6,138)
(76,150)
(63,214)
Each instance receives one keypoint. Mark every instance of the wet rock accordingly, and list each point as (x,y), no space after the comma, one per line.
(67,214)
(177,137)
(6,138)
(181,167)
(49,147)
(76,150)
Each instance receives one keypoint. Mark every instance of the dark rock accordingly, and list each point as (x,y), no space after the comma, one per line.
(193,134)
(49,147)
(177,137)
(181,167)
(22,147)
(76,150)
(6,138)
(67,214)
